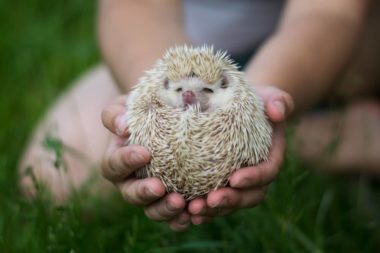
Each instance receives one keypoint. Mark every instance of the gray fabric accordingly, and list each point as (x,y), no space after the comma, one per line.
(238,26)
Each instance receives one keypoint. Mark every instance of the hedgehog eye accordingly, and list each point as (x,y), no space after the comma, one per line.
(166,83)
(178,89)
(224,83)
(208,90)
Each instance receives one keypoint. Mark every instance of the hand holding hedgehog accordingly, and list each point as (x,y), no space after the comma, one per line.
(199,119)
(249,184)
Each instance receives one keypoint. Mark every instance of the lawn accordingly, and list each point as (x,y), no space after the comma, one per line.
(44,45)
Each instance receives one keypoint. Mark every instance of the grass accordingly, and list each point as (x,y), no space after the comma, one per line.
(44,45)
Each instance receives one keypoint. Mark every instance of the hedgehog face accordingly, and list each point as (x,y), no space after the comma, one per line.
(192,90)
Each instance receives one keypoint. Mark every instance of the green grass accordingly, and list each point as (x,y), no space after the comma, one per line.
(44,45)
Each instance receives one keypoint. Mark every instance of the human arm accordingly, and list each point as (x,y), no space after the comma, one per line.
(133,34)
(310,48)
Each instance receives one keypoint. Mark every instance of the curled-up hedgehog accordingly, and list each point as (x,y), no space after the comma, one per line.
(199,118)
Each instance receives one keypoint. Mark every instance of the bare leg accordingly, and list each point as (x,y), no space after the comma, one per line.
(68,144)
(342,141)
(349,139)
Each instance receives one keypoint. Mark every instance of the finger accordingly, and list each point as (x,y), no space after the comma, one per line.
(279,107)
(166,208)
(224,197)
(119,162)
(198,220)
(278,104)
(141,192)
(230,198)
(197,206)
(181,222)
(265,172)
(114,117)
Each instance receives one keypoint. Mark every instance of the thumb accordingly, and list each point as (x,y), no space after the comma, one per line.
(278,104)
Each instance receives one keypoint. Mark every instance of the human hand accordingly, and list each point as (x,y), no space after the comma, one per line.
(119,164)
(247,186)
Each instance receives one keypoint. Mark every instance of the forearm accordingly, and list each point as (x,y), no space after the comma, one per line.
(133,34)
(307,53)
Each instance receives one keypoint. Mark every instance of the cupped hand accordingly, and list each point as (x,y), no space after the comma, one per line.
(119,164)
(247,186)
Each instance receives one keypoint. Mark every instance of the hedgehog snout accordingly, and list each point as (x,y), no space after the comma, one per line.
(188,98)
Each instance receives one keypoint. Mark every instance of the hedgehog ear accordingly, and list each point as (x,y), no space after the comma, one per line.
(166,83)
(224,82)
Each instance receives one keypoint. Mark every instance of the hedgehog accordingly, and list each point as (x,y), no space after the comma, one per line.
(199,119)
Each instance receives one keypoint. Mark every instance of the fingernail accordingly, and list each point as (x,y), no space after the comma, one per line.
(280,106)
(121,124)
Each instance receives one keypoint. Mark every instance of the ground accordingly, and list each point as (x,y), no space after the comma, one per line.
(44,45)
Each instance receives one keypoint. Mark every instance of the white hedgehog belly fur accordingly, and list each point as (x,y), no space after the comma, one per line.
(194,152)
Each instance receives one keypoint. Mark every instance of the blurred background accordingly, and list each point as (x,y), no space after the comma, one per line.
(44,46)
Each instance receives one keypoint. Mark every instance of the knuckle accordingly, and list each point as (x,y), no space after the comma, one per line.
(141,193)
(126,196)
(106,117)
(109,168)
(106,170)
(148,213)
(130,198)
(169,207)
(156,213)
(128,157)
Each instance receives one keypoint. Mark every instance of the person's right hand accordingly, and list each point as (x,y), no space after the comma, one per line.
(119,164)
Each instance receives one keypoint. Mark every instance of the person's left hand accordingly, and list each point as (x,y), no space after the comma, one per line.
(247,186)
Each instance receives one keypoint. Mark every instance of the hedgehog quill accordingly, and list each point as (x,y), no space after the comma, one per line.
(199,118)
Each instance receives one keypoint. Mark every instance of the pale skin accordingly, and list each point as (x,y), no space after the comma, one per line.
(298,63)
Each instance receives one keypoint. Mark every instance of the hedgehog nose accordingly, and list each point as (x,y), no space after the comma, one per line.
(188,97)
